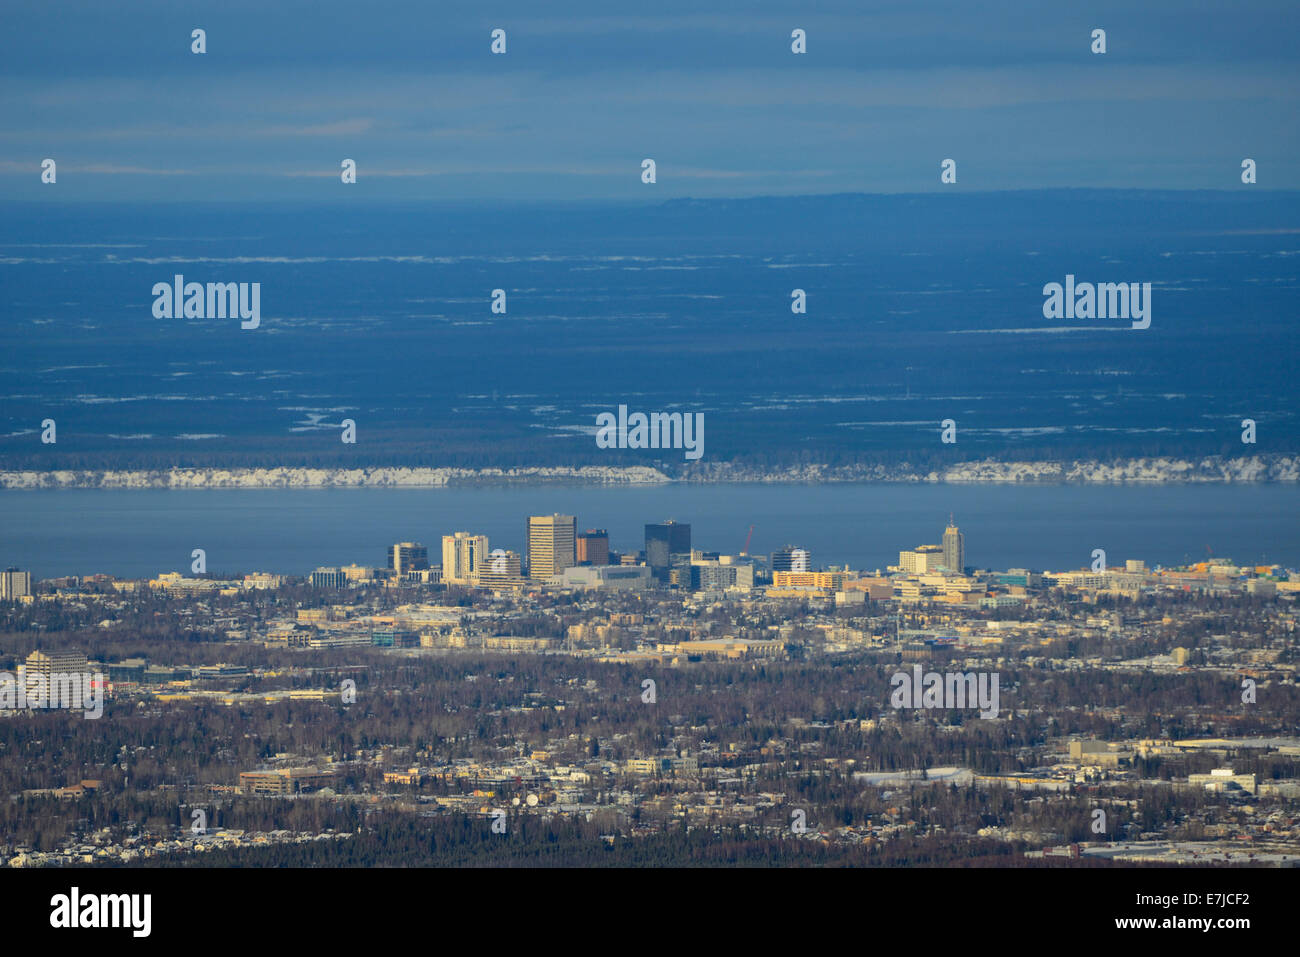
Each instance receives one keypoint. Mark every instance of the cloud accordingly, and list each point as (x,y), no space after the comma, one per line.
(715,97)
(340,128)
(98,169)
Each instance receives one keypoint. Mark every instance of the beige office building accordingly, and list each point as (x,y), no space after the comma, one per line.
(501,569)
(58,663)
(552,545)
(921,560)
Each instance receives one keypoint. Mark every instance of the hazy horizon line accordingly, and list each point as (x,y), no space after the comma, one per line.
(647,203)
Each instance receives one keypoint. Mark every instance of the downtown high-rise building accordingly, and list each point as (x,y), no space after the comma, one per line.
(954,549)
(462,554)
(593,547)
(47,665)
(407,557)
(667,544)
(922,560)
(329,578)
(14,584)
(500,569)
(552,545)
(791,558)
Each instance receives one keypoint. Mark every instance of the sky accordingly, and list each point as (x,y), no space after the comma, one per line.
(587,90)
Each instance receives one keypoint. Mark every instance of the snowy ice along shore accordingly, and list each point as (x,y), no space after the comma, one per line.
(1213,469)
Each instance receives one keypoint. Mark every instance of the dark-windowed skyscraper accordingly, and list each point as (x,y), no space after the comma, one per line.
(407,557)
(667,544)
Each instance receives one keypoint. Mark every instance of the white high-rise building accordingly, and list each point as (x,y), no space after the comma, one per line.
(14,584)
(462,554)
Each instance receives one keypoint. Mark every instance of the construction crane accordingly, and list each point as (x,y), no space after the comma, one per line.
(748,538)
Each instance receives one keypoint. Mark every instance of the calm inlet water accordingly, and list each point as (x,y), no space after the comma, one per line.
(144,532)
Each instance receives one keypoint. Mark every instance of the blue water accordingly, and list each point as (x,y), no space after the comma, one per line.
(144,532)
(919,309)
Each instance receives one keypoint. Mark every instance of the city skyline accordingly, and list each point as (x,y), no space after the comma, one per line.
(448,436)
(466,556)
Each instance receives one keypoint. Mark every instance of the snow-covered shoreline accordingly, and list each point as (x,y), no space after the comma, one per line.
(1213,469)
